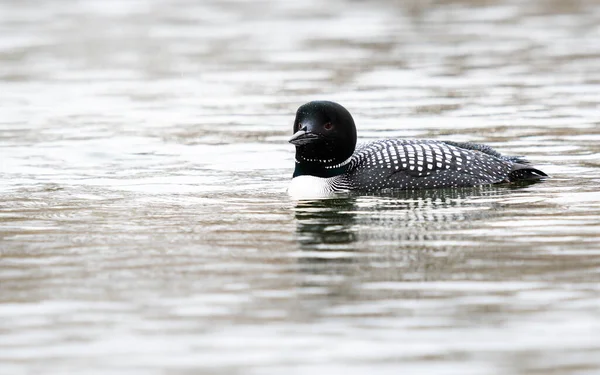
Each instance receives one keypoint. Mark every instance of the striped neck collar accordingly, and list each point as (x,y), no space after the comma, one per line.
(319,169)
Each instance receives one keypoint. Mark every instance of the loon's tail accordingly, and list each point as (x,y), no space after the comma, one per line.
(522,172)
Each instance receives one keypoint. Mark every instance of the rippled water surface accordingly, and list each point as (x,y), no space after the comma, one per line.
(144,224)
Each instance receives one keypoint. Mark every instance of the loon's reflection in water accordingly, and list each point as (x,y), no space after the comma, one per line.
(426,232)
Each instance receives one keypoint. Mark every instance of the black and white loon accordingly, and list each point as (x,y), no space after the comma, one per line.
(327,159)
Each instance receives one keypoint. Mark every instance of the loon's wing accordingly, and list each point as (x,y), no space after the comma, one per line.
(487,150)
(520,169)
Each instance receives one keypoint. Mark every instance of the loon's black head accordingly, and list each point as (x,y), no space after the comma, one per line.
(324,136)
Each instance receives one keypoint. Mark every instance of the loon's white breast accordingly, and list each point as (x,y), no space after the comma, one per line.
(312,187)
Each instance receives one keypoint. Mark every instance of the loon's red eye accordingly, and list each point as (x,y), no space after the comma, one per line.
(328,126)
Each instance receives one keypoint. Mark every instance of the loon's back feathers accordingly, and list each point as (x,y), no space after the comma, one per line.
(325,139)
(424,164)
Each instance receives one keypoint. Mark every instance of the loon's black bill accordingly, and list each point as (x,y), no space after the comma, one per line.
(302,137)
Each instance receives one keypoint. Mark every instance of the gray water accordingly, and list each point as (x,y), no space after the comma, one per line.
(144,224)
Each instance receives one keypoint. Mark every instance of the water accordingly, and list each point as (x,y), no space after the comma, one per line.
(145,226)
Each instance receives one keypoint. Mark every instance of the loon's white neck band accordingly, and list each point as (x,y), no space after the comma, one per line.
(328,166)
(340,164)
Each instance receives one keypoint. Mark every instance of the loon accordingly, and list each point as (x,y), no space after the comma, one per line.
(328,161)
